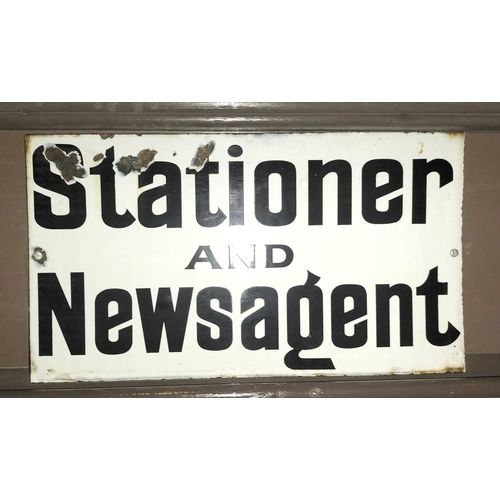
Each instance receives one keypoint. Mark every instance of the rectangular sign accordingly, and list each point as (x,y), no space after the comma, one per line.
(203,256)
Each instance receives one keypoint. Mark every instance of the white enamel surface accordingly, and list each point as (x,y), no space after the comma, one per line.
(360,253)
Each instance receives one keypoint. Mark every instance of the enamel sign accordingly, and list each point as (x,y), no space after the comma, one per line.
(265,255)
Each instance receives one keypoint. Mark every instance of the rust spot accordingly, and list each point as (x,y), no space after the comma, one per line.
(107,136)
(39,255)
(98,157)
(68,164)
(447,369)
(127,164)
(202,155)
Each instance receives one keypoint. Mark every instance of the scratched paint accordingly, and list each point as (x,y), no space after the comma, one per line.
(244,256)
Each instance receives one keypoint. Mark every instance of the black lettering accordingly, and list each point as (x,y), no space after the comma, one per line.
(104,322)
(421,169)
(340,317)
(270,256)
(267,313)
(171,190)
(236,194)
(404,294)
(317,172)
(250,263)
(371,192)
(71,319)
(174,320)
(288,211)
(432,289)
(108,193)
(75,193)
(296,340)
(204,216)
(209,258)
(205,311)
